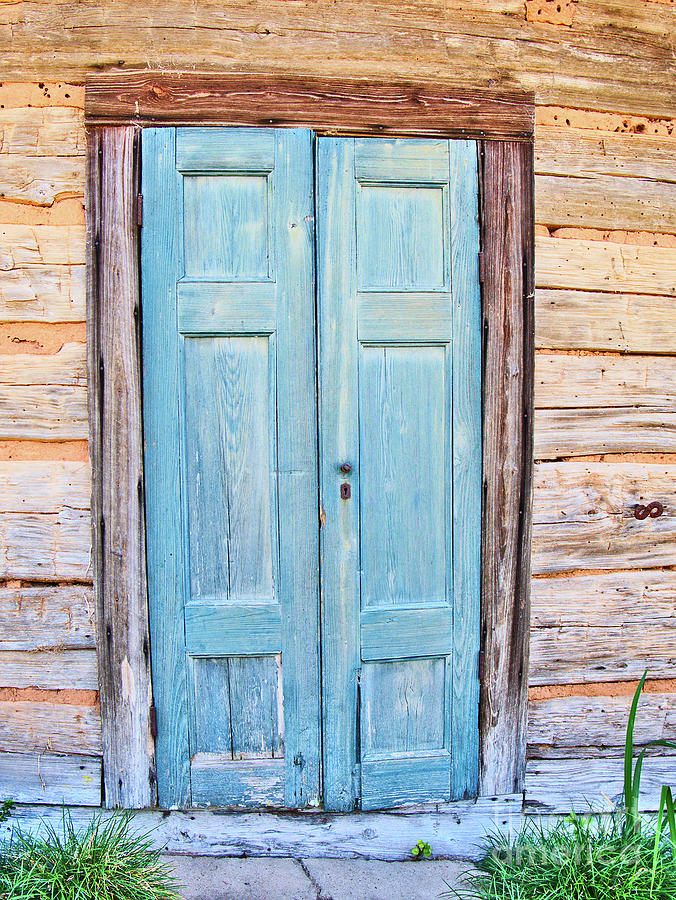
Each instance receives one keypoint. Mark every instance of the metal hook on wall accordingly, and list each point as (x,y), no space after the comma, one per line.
(653,510)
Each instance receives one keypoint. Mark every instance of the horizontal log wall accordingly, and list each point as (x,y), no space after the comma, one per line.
(604,584)
(50,730)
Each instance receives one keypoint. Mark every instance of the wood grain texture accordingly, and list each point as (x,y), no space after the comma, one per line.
(604,598)
(613,55)
(593,320)
(605,201)
(568,492)
(34,486)
(458,830)
(30,246)
(38,725)
(115,440)
(49,669)
(41,180)
(573,152)
(559,785)
(43,132)
(507,236)
(583,515)
(53,412)
(581,654)
(578,722)
(47,778)
(46,546)
(44,618)
(588,382)
(334,105)
(621,429)
(43,294)
(67,366)
(574,263)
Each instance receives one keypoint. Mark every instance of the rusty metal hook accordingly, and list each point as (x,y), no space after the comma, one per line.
(653,510)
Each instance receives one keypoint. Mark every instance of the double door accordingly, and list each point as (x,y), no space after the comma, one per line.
(312,410)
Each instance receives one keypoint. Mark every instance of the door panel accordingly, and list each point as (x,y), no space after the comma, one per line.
(399,325)
(230,422)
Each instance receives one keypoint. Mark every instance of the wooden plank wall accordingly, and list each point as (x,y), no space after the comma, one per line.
(50,733)
(604,583)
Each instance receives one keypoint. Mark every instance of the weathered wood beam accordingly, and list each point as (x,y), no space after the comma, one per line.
(115,435)
(46,546)
(507,246)
(581,432)
(44,618)
(593,320)
(49,669)
(43,294)
(46,725)
(573,263)
(47,778)
(614,54)
(645,597)
(328,105)
(601,722)
(555,786)
(455,830)
(575,654)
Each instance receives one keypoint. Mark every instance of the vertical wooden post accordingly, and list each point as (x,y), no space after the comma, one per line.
(116,451)
(507,244)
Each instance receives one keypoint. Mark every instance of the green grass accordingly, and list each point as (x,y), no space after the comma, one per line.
(591,857)
(579,858)
(105,861)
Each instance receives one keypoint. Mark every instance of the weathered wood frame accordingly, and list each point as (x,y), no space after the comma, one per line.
(115,109)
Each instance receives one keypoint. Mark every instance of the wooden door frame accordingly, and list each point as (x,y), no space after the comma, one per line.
(115,110)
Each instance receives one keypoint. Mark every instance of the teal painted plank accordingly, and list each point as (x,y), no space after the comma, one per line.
(228,448)
(257,782)
(402,237)
(225,150)
(339,443)
(235,244)
(161,267)
(396,782)
(297,463)
(404,491)
(467,466)
(206,307)
(405,317)
(401,633)
(403,707)
(210,730)
(256,714)
(401,160)
(233,629)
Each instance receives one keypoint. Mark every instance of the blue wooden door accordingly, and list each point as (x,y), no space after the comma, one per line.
(400,460)
(234,515)
(231,464)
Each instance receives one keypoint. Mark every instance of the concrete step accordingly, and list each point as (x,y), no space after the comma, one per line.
(225,878)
